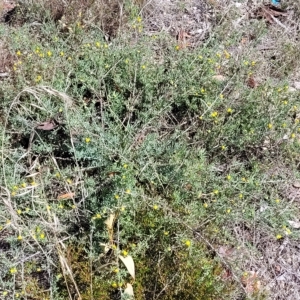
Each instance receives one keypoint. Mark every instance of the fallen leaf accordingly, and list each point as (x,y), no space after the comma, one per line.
(129,290)
(48,125)
(251,82)
(109,222)
(66,196)
(294,224)
(251,282)
(129,264)
(220,78)
(296,184)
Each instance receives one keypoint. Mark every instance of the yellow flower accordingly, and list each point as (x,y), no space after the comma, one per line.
(177,47)
(4,293)
(155,207)
(19,211)
(229,110)
(98,45)
(123,208)
(221,96)
(246,63)
(61,53)
(23,185)
(216,192)
(143,67)
(227,54)
(49,53)
(19,53)
(87,140)
(228,210)
(128,191)
(69,181)
(27,209)
(42,236)
(125,166)
(98,216)
(187,243)
(41,55)
(241,196)
(117,196)
(114,285)
(223,147)
(124,253)
(20,238)
(253,63)
(33,183)
(13,270)
(116,270)
(270,126)
(139,19)
(38,78)
(278,236)
(166,233)
(228,177)
(214,114)
(205,205)
(60,206)
(293,135)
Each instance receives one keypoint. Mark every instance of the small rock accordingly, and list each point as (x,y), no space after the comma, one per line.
(296,184)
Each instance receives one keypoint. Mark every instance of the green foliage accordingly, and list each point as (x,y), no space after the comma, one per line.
(155,140)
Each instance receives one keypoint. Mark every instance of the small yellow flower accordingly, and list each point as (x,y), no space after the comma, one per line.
(143,67)
(98,45)
(117,196)
(124,253)
(214,114)
(253,63)
(270,126)
(57,175)
(69,181)
(226,54)
(49,53)
(42,236)
(293,135)
(41,55)
(155,207)
(61,53)
(228,210)
(205,205)
(125,166)
(38,79)
(19,53)
(277,200)
(123,208)
(228,177)
(221,96)
(128,191)
(74,206)
(87,140)
(23,185)
(60,206)
(69,58)
(48,207)
(229,110)
(19,211)
(4,293)
(139,19)
(20,238)
(223,147)
(13,194)
(33,183)
(98,216)
(13,270)
(27,209)
(246,63)
(216,192)
(166,233)
(202,91)
(283,125)
(278,236)
(187,243)
(218,55)
(244,179)
(114,285)
(177,47)
(105,46)
(116,270)
(241,195)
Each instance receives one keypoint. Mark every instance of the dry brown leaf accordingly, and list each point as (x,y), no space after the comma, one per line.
(251,82)
(129,264)
(48,125)
(251,282)
(109,222)
(182,39)
(66,196)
